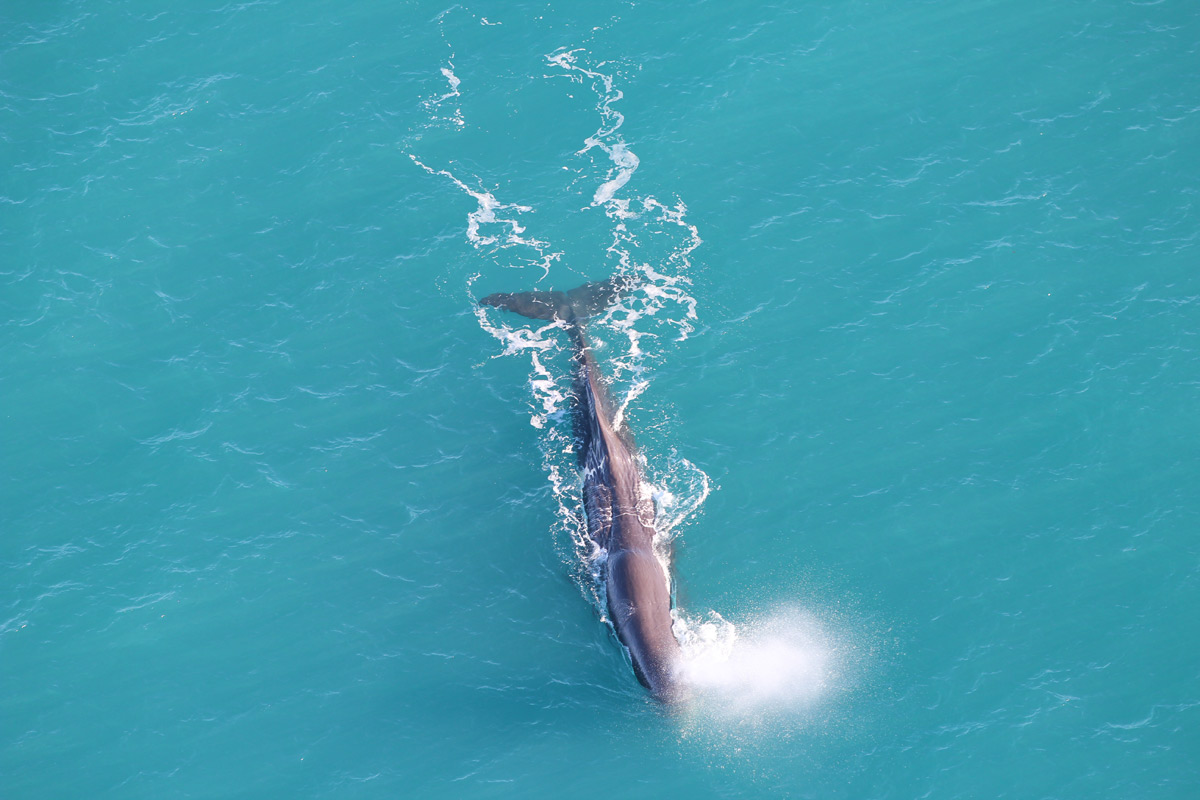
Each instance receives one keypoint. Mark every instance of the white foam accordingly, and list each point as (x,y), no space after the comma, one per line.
(606,138)
(434,104)
(626,163)
(679,493)
(448,72)
(485,215)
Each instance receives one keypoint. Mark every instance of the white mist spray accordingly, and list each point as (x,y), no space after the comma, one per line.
(783,662)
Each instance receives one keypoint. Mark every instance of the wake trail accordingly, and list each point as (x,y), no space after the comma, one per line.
(785,661)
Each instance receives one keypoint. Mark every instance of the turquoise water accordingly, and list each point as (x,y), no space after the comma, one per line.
(915,370)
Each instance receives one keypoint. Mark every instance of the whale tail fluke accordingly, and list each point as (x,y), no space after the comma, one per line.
(578,303)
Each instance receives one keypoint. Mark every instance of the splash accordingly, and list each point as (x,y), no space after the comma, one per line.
(785,662)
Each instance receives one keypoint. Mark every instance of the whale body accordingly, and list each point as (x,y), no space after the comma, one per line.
(620,517)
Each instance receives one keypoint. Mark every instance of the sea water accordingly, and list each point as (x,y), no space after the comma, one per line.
(912,364)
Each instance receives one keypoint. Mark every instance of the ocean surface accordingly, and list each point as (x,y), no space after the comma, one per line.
(914,365)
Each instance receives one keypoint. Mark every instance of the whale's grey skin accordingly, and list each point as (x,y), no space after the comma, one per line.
(620,517)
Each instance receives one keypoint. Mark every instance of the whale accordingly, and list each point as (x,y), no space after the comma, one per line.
(619,514)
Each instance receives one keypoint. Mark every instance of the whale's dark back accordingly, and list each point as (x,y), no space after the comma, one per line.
(620,517)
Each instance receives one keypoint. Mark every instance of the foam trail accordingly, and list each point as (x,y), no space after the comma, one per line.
(606,137)
(485,214)
(543,382)
(661,288)
(433,104)
(448,71)
(484,217)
